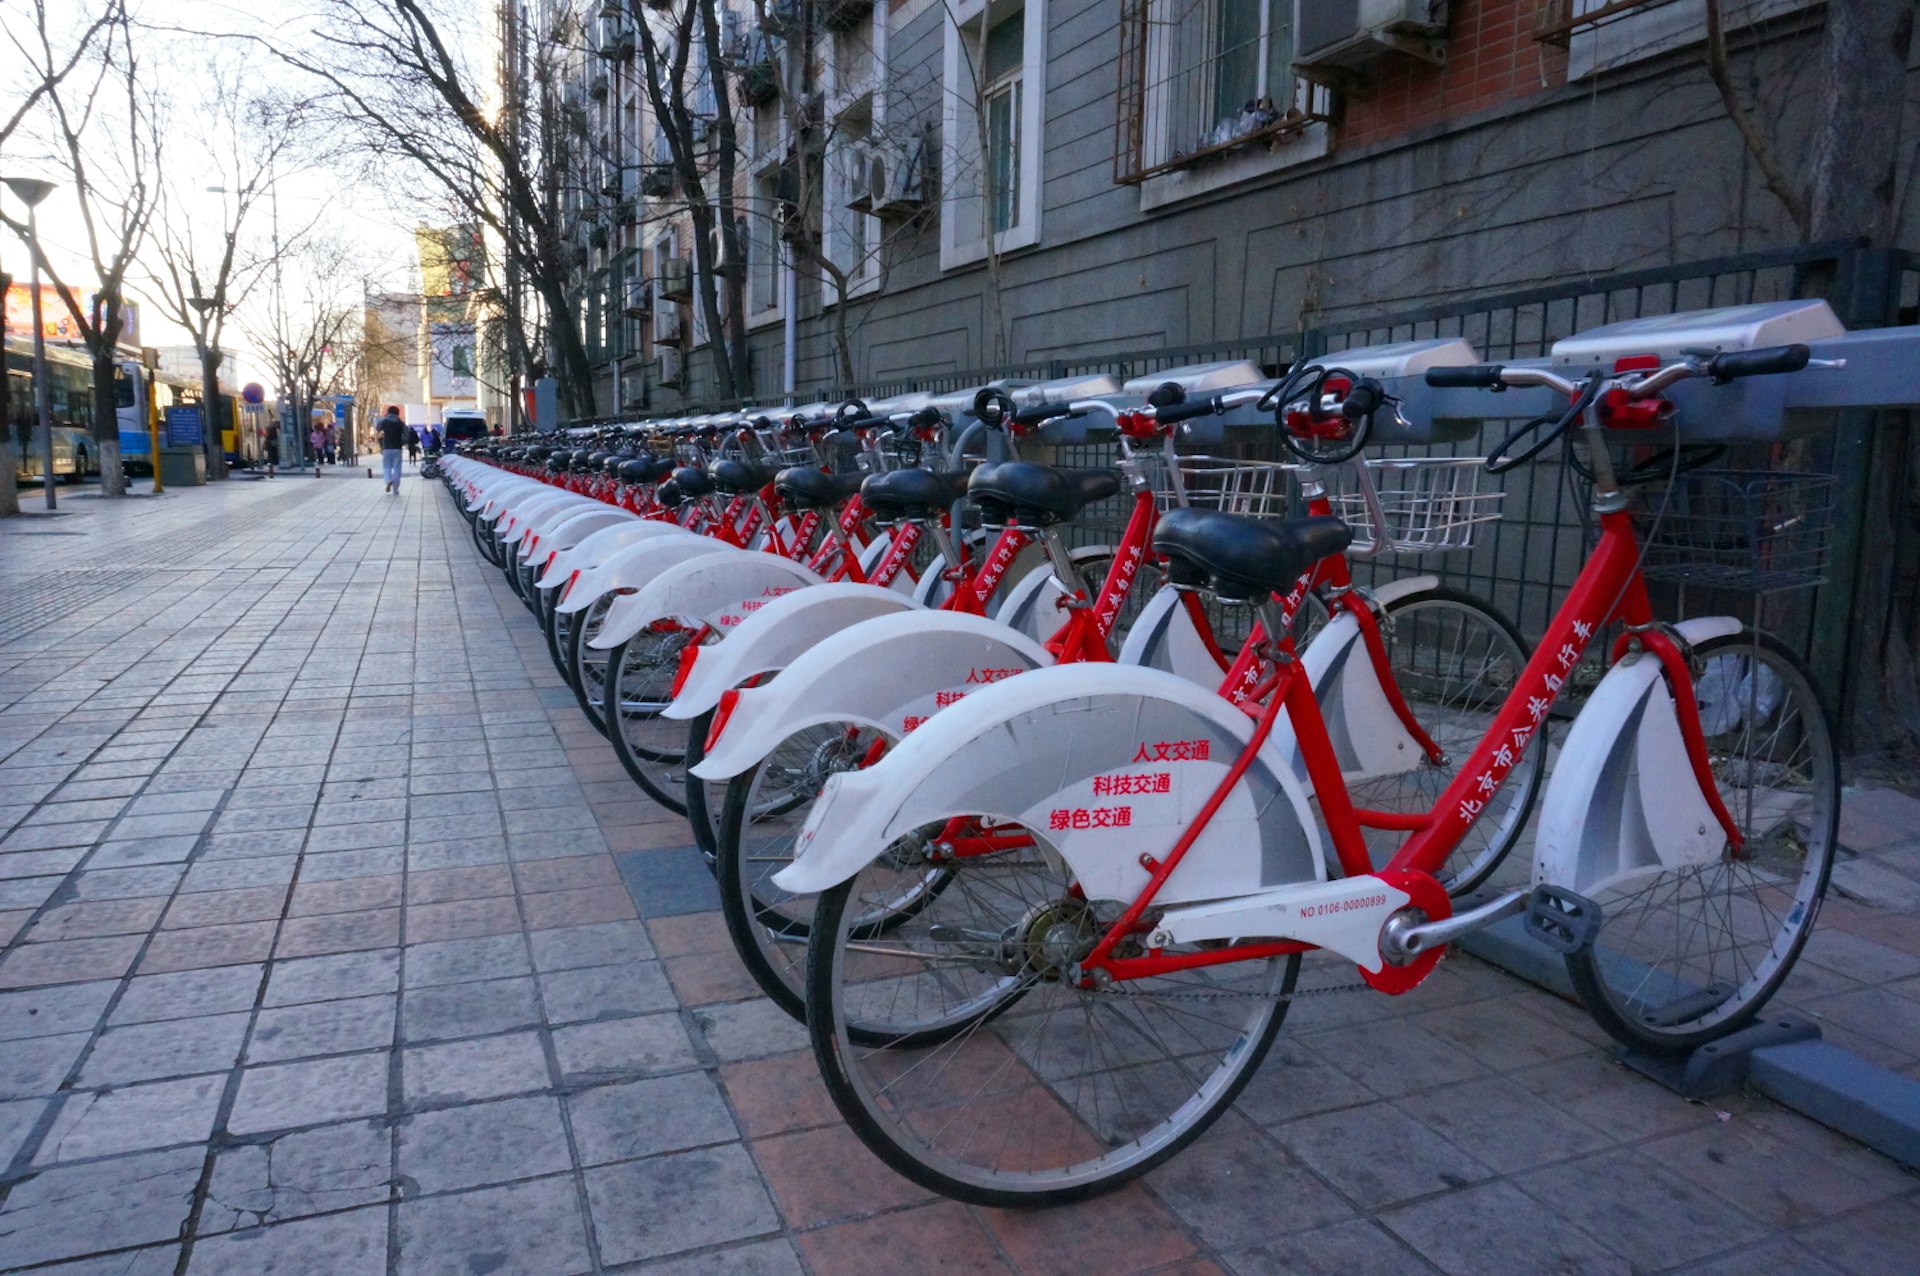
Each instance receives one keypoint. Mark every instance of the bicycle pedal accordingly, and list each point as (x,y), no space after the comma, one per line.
(1564,921)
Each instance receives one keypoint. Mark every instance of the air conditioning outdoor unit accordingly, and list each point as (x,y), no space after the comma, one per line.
(639,298)
(673,368)
(676,279)
(597,86)
(1343,35)
(666,325)
(896,176)
(859,167)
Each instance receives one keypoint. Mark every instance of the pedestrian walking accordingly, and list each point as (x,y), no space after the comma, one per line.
(393,437)
(413,446)
(317,440)
(273,447)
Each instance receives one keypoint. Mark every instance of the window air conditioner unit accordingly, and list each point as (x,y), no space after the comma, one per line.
(1344,35)
(673,368)
(676,279)
(896,176)
(666,325)
(639,298)
(597,86)
(858,160)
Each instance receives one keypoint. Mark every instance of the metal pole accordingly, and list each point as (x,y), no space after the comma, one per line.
(153,434)
(42,391)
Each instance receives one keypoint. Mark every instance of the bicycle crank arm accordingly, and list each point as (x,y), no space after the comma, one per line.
(1404,938)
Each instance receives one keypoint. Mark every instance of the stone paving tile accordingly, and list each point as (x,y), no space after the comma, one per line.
(463,1071)
(228,945)
(354,1241)
(642,1118)
(338,933)
(148,1051)
(69,1211)
(609,943)
(321,1027)
(344,895)
(95,918)
(132,1119)
(438,886)
(208,908)
(623,1047)
(602,992)
(188,993)
(943,1239)
(1650,1215)
(462,918)
(69,960)
(483,1143)
(674,1203)
(313,1092)
(139,851)
(468,1010)
(535,1226)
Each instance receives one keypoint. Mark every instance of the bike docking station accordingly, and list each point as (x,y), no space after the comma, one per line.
(1781,1054)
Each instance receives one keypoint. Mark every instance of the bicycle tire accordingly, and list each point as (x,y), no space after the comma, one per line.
(586,667)
(639,672)
(705,800)
(1654,1013)
(1454,691)
(1046,1095)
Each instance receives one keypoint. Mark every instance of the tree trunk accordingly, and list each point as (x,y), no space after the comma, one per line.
(576,374)
(214,413)
(106,426)
(1856,151)
(9,442)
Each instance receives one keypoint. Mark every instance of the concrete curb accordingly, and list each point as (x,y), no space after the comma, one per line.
(1835,1087)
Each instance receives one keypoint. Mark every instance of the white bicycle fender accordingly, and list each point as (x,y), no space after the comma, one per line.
(1077,753)
(891,673)
(717,592)
(593,550)
(633,566)
(538,513)
(774,636)
(1622,800)
(570,531)
(932,588)
(541,530)
(1163,637)
(1368,737)
(1029,605)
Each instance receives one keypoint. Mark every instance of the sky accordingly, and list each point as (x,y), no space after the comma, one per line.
(375,221)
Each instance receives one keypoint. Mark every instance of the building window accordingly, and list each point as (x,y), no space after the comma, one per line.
(990,128)
(766,251)
(1210,83)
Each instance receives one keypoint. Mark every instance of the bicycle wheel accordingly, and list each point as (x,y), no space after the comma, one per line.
(1037,1092)
(558,625)
(1454,659)
(706,799)
(586,666)
(639,684)
(1686,955)
(483,539)
(760,822)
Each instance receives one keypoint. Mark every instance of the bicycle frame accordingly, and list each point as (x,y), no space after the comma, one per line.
(1609,587)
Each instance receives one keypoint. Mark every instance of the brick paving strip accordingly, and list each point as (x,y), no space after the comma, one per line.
(337,942)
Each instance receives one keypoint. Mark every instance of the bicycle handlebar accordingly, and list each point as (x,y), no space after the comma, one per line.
(1478,376)
(1757,363)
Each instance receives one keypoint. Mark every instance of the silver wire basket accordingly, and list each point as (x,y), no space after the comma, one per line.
(1230,484)
(1417,505)
(1758,531)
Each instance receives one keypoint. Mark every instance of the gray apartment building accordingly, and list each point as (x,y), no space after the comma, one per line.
(1046,182)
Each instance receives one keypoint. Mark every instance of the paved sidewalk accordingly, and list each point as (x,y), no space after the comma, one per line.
(336,942)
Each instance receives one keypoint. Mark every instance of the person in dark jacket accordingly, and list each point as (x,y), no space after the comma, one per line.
(393,438)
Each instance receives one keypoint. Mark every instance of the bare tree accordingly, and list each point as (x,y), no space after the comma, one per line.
(313,344)
(45,80)
(115,189)
(408,100)
(204,269)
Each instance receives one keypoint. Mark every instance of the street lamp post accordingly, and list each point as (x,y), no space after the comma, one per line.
(30,191)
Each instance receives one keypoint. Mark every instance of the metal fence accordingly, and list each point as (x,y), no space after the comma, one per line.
(1526,559)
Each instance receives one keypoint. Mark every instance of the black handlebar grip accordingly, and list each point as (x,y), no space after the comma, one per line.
(852,410)
(1757,363)
(1166,394)
(1483,376)
(1185,411)
(1363,400)
(1041,412)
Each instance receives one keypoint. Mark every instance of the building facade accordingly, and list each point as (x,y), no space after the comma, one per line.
(947,185)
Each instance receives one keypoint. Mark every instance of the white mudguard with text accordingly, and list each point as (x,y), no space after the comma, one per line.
(890,673)
(538,516)
(633,566)
(1622,801)
(719,592)
(595,549)
(570,528)
(776,635)
(1163,637)
(1105,762)
(1030,604)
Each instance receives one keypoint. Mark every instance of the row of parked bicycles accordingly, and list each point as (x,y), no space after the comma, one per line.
(1033,825)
